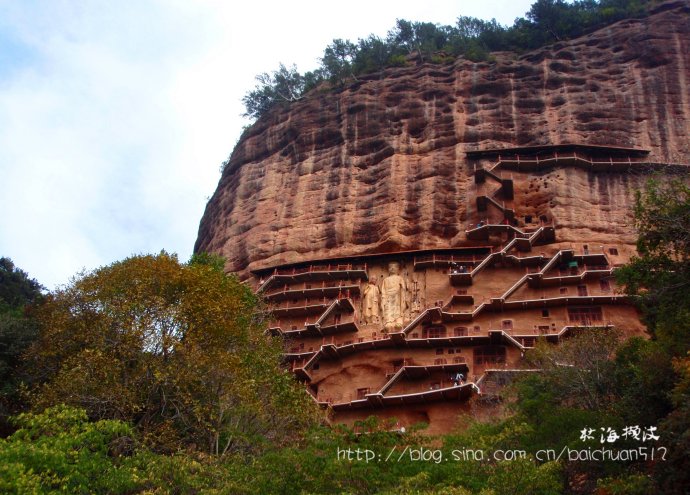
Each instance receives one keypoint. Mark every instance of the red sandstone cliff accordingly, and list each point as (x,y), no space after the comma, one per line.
(382,165)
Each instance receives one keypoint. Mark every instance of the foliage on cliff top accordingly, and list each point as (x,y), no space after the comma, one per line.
(546,22)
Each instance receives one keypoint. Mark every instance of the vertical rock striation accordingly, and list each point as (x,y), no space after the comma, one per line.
(381,165)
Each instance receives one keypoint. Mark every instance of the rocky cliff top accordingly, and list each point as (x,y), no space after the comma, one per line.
(382,165)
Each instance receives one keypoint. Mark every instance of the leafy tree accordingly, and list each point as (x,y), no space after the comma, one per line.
(312,79)
(551,19)
(579,371)
(608,11)
(282,86)
(418,38)
(16,288)
(372,54)
(674,475)
(337,61)
(215,261)
(60,451)
(476,35)
(660,275)
(17,331)
(178,350)
(644,376)
(660,278)
(402,36)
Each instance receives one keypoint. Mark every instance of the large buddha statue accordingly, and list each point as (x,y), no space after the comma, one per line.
(393,298)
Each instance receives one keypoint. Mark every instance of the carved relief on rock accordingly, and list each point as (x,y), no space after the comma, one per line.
(393,298)
(371,302)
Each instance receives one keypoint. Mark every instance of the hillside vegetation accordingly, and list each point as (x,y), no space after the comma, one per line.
(409,42)
(152,376)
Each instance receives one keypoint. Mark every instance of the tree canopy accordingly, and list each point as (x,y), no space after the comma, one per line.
(660,275)
(408,42)
(177,349)
(16,288)
(17,331)
(640,381)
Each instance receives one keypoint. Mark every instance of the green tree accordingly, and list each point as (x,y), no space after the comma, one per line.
(17,331)
(551,19)
(660,276)
(284,85)
(644,375)
(579,371)
(60,451)
(179,350)
(674,475)
(474,38)
(372,55)
(337,61)
(420,39)
(17,290)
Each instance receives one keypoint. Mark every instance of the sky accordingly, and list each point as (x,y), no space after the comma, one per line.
(115,117)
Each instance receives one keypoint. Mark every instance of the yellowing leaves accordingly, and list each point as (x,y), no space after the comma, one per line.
(177,349)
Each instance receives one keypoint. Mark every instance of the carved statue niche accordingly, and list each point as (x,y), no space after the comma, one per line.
(371,300)
(416,305)
(393,298)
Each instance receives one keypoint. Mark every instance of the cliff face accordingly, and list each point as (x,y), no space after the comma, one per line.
(382,166)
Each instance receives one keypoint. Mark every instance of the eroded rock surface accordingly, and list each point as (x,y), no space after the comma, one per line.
(382,166)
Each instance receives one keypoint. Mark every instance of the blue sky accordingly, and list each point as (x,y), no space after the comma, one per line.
(116,116)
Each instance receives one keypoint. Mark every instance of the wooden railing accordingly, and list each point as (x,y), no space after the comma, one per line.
(566,156)
(320,268)
(311,287)
(446,258)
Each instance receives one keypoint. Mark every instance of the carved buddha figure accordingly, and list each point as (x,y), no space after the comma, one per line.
(371,301)
(393,298)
